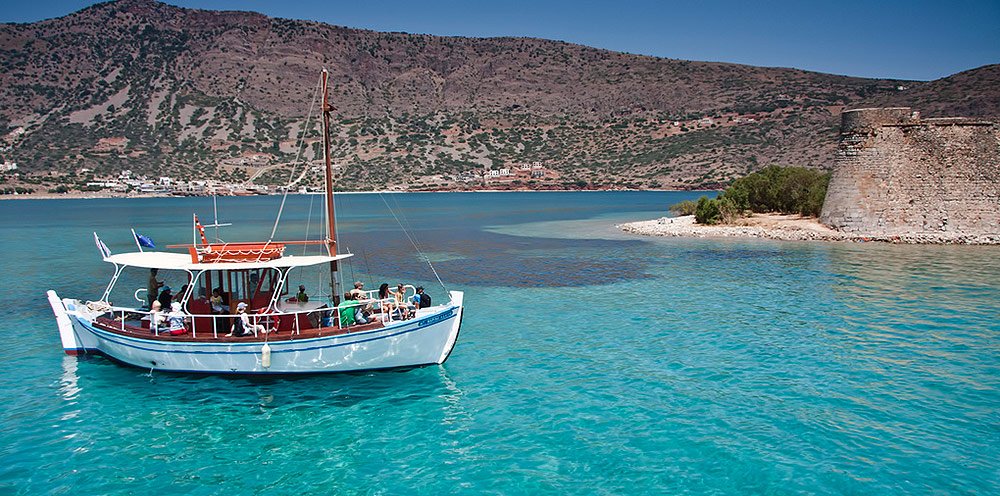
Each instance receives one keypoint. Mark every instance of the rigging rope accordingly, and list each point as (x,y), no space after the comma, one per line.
(414,243)
(368,269)
(298,155)
(350,264)
(308,222)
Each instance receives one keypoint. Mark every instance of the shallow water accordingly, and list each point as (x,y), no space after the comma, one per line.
(589,361)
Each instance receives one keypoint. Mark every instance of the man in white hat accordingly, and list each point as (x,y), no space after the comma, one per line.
(156,317)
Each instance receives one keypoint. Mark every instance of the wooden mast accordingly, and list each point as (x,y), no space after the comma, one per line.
(331,238)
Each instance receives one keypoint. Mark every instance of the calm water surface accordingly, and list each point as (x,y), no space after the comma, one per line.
(590,362)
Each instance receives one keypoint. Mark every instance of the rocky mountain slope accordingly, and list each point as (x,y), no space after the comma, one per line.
(972,93)
(161,90)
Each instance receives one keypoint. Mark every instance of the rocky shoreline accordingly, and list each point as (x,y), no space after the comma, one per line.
(789,228)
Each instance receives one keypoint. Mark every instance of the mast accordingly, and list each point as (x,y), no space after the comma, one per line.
(331,220)
(331,239)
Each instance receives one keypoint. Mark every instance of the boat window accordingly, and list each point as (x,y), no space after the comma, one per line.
(263,284)
(237,285)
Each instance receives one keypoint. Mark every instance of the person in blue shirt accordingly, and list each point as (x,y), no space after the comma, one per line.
(421,299)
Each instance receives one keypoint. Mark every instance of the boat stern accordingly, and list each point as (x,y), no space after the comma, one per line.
(71,345)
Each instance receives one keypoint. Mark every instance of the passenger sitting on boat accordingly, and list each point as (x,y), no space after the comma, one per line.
(216,301)
(358,290)
(166,297)
(346,311)
(350,311)
(400,295)
(223,296)
(156,317)
(358,293)
(175,319)
(363,311)
(302,297)
(242,325)
(421,299)
(384,300)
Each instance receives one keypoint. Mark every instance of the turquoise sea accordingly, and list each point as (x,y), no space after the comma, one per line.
(590,362)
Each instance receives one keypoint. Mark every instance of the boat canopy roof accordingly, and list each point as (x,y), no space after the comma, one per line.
(182,261)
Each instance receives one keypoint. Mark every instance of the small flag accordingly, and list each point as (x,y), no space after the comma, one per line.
(144,241)
(201,230)
(103,248)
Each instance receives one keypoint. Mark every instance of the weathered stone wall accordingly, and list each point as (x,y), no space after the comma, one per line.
(896,174)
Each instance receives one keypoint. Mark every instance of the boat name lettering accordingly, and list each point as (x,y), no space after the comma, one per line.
(437,318)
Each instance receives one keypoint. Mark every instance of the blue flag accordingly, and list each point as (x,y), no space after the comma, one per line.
(144,241)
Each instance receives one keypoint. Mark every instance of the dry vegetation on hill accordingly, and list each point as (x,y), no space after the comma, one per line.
(140,85)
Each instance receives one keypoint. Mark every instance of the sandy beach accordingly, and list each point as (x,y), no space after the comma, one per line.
(789,228)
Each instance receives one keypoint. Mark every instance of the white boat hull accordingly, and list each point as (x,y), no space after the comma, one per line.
(425,340)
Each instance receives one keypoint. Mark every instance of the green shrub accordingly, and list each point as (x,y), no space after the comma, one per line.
(787,190)
(686,207)
(729,210)
(721,210)
(707,211)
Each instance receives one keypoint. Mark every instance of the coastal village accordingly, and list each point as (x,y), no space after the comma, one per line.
(128,184)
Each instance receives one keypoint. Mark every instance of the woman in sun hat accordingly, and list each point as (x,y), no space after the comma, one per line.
(175,320)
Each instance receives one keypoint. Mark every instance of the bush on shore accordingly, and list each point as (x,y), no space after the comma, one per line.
(786,190)
(686,207)
(718,211)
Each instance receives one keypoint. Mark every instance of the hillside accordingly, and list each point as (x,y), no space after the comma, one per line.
(973,93)
(161,90)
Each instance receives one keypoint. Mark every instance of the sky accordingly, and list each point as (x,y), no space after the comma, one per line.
(894,39)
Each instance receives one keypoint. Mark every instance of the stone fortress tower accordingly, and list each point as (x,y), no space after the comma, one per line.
(896,174)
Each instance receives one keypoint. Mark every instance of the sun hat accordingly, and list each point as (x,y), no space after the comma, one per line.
(175,306)
(241,305)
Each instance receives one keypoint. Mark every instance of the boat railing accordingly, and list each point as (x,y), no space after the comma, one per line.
(258,317)
(387,307)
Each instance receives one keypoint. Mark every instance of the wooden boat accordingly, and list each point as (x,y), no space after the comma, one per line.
(285,336)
